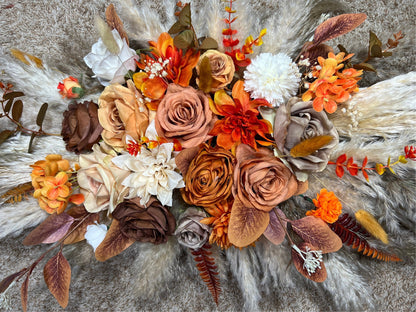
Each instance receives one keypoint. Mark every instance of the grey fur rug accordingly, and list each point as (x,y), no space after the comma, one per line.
(164,278)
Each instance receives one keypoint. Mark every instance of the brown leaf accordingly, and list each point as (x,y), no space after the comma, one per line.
(12,95)
(50,231)
(365,66)
(17,110)
(246,224)
(114,22)
(374,45)
(320,273)
(184,158)
(316,232)
(208,43)
(57,275)
(41,114)
(5,134)
(309,146)
(315,51)
(337,26)
(184,39)
(32,136)
(205,75)
(24,57)
(176,28)
(185,15)
(275,232)
(5,283)
(79,213)
(23,293)
(113,244)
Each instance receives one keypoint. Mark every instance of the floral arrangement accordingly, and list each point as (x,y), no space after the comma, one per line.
(232,136)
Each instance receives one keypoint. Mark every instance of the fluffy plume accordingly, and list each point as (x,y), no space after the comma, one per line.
(371,225)
(106,35)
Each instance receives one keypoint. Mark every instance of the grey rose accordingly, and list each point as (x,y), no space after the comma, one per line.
(190,232)
(297,121)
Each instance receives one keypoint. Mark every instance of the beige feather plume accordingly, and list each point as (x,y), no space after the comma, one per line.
(106,35)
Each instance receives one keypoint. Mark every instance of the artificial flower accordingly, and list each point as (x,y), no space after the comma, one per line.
(50,166)
(240,123)
(273,77)
(109,67)
(151,223)
(208,174)
(184,115)
(329,207)
(298,121)
(70,88)
(122,113)
(152,172)
(80,126)
(100,180)
(222,69)
(190,232)
(95,234)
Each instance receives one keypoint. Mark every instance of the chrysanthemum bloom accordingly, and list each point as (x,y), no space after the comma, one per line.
(332,86)
(329,207)
(272,77)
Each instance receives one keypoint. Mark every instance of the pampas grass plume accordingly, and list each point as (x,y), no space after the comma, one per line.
(371,225)
(106,35)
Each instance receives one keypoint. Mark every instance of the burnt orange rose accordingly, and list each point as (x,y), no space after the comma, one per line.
(184,115)
(209,177)
(261,180)
(222,69)
(122,112)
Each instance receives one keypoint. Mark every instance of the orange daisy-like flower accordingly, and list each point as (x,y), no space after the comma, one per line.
(332,86)
(165,64)
(219,220)
(240,123)
(329,207)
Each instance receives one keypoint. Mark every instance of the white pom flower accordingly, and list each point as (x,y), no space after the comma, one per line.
(95,234)
(272,77)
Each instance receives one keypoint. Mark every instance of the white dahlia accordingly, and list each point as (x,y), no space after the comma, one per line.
(272,77)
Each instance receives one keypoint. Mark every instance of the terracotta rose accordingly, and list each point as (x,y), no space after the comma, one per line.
(184,114)
(122,112)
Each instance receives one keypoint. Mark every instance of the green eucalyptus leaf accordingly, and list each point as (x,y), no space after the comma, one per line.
(184,39)
(185,15)
(208,43)
(177,28)
(374,46)
(17,110)
(41,114)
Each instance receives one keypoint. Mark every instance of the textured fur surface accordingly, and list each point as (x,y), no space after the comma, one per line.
(260,278)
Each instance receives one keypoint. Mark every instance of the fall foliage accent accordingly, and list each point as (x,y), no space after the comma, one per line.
(26,58)
(276,230)
(368,221)
(17,193)
(329,207)
(309,146)
(207,270)
(114,22)
(78,228)
(352,234)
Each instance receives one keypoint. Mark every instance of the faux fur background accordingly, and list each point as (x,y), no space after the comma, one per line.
(156,278)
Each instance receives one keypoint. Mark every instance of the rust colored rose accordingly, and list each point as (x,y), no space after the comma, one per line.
(222,69)
(122,112)
(261,180)
(209,177)
(297,121)
(80,127)
(152,223)
(184,114)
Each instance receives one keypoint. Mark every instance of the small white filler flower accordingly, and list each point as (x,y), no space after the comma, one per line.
(312,258)
(95,234)
(273,77)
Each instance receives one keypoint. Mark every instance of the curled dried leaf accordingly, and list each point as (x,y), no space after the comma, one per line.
(114,22)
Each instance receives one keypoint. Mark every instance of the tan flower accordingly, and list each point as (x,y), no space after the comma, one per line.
(122,112)
(222,69)
(261,180)
(184,115)
(190,232)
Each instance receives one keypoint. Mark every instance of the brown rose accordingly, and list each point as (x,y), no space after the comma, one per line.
(207,173)
(152,223)
(122,112)
(80,127)
(184,114)
(222,69)
(261,180)
(297,121)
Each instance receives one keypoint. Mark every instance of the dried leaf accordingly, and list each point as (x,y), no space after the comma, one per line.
(32,136)
(208,44)
(316,232)
(371,225)
(57,275)
(26,58)
(113,244)
(205,75)
(365,67)
(114,22)
(177,28)
(315,51)
(6,282)
(246,224)
(12,95)
(275,232)
(185,15)
(374,46)
(17,110)
(320,273)
(342,49)
(41,114)
(79,213)
(23,293)
(17,193)
(4,135)
(8,106)
(50,231)
(309,146)
(184,39)
(337,26)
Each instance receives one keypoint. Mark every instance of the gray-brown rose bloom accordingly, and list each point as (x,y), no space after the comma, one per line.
(190,232)
(152,223)
(80,127)
(297,121)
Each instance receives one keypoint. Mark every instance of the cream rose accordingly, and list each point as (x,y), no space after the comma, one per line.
(122,112)
(222,69)
(184,114)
